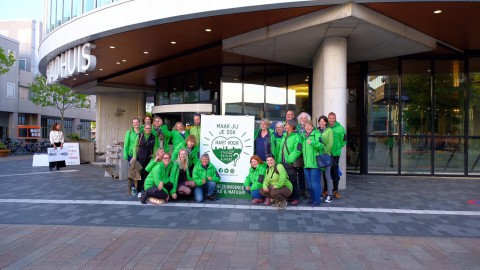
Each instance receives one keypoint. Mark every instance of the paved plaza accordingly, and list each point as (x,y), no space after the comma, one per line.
(78,219)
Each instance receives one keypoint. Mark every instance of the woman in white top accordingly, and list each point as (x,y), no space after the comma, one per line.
(56,139)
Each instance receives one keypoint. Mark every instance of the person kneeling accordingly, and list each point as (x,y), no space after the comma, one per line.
(185,184)
(161,182)
(254,180)
(276,185)
(206,178)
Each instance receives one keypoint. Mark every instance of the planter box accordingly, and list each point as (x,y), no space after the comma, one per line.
(4,152)
(87,152)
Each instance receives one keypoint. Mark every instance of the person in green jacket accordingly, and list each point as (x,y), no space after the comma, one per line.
(254,180)
(144,148)
(327,143)
(158,129)
(264,140)
(195,129)
(339,141)
(130,139)
(155,160)
(161,183)
(206,178)
(177,135)
(191,145)
(289,151)
(276,186)
(185,183)
(277,139)
(310,149)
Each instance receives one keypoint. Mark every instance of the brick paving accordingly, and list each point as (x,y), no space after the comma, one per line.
(78,219)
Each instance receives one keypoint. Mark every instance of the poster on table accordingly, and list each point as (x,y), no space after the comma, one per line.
(70,153)
(228,140)
(73,157)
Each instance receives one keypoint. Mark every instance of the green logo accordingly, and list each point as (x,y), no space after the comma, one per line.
(227,150)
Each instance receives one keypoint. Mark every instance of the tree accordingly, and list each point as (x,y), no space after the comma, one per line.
(56,95)
(6,61)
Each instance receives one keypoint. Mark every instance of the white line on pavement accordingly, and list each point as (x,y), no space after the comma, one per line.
(20,174)
(232,206)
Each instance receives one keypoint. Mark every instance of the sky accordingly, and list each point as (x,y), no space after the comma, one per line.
(21,10)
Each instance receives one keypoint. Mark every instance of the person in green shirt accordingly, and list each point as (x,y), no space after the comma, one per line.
(327,143)
(339,141)
(276,186)
(161,183)
(195,129)
(206,178)
(310,148)
(192,149)
(185,183)
(254,180)
(130,139)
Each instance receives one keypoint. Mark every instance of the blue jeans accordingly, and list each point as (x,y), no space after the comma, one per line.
(255,193)
(200,191)
(314,185)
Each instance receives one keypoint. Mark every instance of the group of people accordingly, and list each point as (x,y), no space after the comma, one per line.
(290,151)
(283,168)
(164,175)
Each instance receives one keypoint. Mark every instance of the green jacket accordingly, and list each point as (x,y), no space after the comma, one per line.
(310,151)
(152,164)
(162,138)
(163,174)
(277,177)
(290,148)
(327,141)
(195,131)
(147,138)
(255,177)
(192,155)
(277,142)
(176,137)
(199,173)
(128,143)
(339,139)
(269,143)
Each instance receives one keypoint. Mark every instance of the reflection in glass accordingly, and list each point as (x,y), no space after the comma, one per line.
(59,15)
(210,85)
(474,98)
(298,90)
(191,87)
(231,90)
(103,2)
(76,8)
(448,155)
(416,155)
(53,14)
(67,11)
(254,91)
(416,88)
(449,97)
(382,154)
(276,93)
(474,157)
(88,5)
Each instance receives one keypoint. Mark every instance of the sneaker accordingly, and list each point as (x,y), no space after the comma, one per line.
(282,204)
(139,194)
(336,194)
(316,205)
(51,169)
(324,193)
(328,199)
(134,191)
(295,202)
(309,202)
(257,201)
(212,198)
(267,202)
(143,198)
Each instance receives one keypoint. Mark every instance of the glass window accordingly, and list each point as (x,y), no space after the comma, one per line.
(88,5)
(22,120)
(22,64)
(210,85)
(162,92)
(176,90)
(53,14)
(448,155)
(473,114)
(231,90)
(474,156)
(76,8)
(298,81)
(67,10)
(383,154)
(11,90)
(416,88)
(416,155)
(103,2)
(191,87)
(23,92)
(59,15)
(276,93)
(449,89)
(254,91)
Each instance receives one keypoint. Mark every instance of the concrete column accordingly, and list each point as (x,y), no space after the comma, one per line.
(329,86)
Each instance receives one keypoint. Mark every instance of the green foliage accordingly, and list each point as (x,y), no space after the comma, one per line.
(73,137)
(2,146)
(56,95)
(6,61)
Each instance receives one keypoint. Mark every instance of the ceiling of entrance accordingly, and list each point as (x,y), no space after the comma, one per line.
(128,65)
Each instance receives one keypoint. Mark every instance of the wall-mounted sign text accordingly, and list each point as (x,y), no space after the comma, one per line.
(72,62)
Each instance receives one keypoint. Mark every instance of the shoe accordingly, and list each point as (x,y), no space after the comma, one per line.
(295,202)
(337,195)
(143,198)
(274,202)
(328,199)
(267,202)
(257,201)
(155,200)
(316,205)
(282,204)
(324,193)
(134,191)
(139,194)
(212,198)
(309,202)
(51,169)
(58,169)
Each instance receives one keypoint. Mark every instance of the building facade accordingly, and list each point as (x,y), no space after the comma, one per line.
(401,76)
(16,108)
